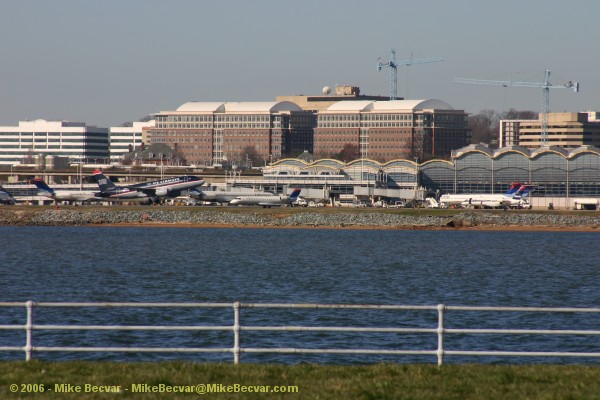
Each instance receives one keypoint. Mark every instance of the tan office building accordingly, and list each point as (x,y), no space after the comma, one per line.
(567,130)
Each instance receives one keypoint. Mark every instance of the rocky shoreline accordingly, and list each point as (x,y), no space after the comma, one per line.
(250,218)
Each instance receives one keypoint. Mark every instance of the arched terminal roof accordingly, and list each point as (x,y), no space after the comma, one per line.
(584,149)
(549,149)
(514,149)
(481,148)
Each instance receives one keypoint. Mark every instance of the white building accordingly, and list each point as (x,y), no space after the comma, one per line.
(30,139)
(124,139)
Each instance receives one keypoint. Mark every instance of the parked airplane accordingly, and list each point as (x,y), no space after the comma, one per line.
(266,201)
(224,196)
(6,197)
(64,195)
(171,187)
(513,197)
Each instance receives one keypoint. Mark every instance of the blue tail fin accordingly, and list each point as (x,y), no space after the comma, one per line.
(104,183)
(43,187)
(6,197)
(294,195)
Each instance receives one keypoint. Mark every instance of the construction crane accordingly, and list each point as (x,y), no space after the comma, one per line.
(545,86)
(393,64)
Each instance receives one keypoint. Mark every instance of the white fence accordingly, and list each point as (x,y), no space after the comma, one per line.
(440,330)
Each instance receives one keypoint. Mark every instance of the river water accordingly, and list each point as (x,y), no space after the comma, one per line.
(108,264)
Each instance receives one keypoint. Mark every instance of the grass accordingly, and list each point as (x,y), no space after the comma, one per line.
(376,381)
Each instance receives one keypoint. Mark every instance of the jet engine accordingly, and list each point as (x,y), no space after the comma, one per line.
(161,192)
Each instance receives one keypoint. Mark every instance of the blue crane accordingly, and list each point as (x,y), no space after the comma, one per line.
(393,64)
(545,86)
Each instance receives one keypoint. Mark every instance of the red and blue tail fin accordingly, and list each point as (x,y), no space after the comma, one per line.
(104,183)
(524,190)
(512,190)
(294,195)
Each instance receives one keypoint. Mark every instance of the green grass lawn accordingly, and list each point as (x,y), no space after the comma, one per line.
(304,381)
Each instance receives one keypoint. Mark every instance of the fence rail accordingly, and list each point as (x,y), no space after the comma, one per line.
(440,330)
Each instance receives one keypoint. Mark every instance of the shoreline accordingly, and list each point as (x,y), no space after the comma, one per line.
(292,218)
(508,228)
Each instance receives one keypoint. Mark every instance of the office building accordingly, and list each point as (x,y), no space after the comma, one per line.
(388,130)
(232,133)
(34,140)
(566,130)
(124,139)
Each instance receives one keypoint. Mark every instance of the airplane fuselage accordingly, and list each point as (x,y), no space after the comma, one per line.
(219,196)
(74,195)
(171,187)
(265,201)
(482,200)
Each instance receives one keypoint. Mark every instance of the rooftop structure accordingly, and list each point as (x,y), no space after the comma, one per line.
(318,103)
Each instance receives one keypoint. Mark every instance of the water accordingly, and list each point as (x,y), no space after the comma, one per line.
(105,264)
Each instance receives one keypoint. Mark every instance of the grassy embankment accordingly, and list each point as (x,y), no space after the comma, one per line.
(379,381)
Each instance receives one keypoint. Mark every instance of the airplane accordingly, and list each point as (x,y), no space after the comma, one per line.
(152,191)
(64,195)
(6,197)
(224,196)
(514,197)
(266,201)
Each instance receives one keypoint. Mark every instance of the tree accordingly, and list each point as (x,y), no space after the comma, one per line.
(348,153)
(251,156)
(514,114)
(484,126)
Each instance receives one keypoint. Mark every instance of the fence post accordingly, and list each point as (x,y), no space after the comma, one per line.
(236,332)
(28,330)
(440,333)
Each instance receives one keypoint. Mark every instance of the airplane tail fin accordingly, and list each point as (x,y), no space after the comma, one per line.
(43,187)
(6,197)
(196,193)
(524,190)
(103,182)
(512,190)
(294,195)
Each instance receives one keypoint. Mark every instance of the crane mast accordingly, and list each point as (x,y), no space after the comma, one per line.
(393,64)
(545,86)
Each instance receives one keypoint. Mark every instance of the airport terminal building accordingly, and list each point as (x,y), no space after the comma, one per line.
(558,174)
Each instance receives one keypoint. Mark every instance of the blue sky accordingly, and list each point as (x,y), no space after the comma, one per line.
(110,61)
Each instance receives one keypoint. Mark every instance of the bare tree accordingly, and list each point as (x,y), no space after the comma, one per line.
(484,126)
(348,153)
(251,156)
(417,147)
(514,114)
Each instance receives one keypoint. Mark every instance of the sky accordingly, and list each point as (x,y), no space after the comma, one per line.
(111,61)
